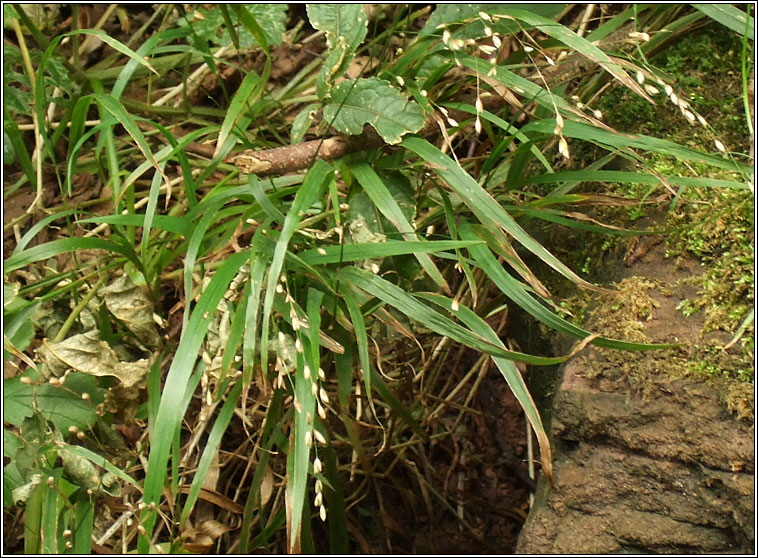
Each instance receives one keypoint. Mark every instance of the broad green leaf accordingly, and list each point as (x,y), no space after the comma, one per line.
(355,103)
(347,21)
(346,26)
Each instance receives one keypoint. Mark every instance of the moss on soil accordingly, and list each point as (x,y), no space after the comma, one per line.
(713,226)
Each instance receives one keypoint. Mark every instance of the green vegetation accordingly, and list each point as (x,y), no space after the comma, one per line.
(207,348)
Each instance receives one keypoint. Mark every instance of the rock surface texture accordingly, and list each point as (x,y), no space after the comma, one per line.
(650,462)
(670,474)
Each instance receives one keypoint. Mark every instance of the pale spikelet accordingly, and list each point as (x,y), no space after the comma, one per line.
(485,16)
(496,41)
(720,146)
(597,114)
(424,93)
(375,268)
(279,288)
(321,375)
(319,484)
(446,37)
(489,50)
(492,71)
(323,396)
(455,306)
(668,89)
(652,90)
(689,116)
(308,438)
(298,345)
(563,147)
(640,77)
(527,48)
(400,80)
(637,35)
(314,389)
(319,437)
(478,125)
(558,124)
(456,44)
(443,110)
(488,30)
(318,500)
(702,121)
(322,513)
(307,372)
(317,466)
(321,411)
(296,324)
(549,60)
(479,106)
(429,231)
(493,61)
(453,122)
(321,251)
(674,98)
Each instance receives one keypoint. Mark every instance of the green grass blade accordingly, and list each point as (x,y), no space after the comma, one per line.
(299,455)
(56,247)
(84,514)
(385,202)
(116,45)
(211,447)
(113,106)
(426,316)
(633,178)
(637,141)
(516,291)
(484,206)
(171,408)
(509,371)
(361,338)
(175,225)
(730,16)
(250,88)
(377,250)
(309,192)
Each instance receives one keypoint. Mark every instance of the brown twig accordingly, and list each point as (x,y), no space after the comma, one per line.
(291,158)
